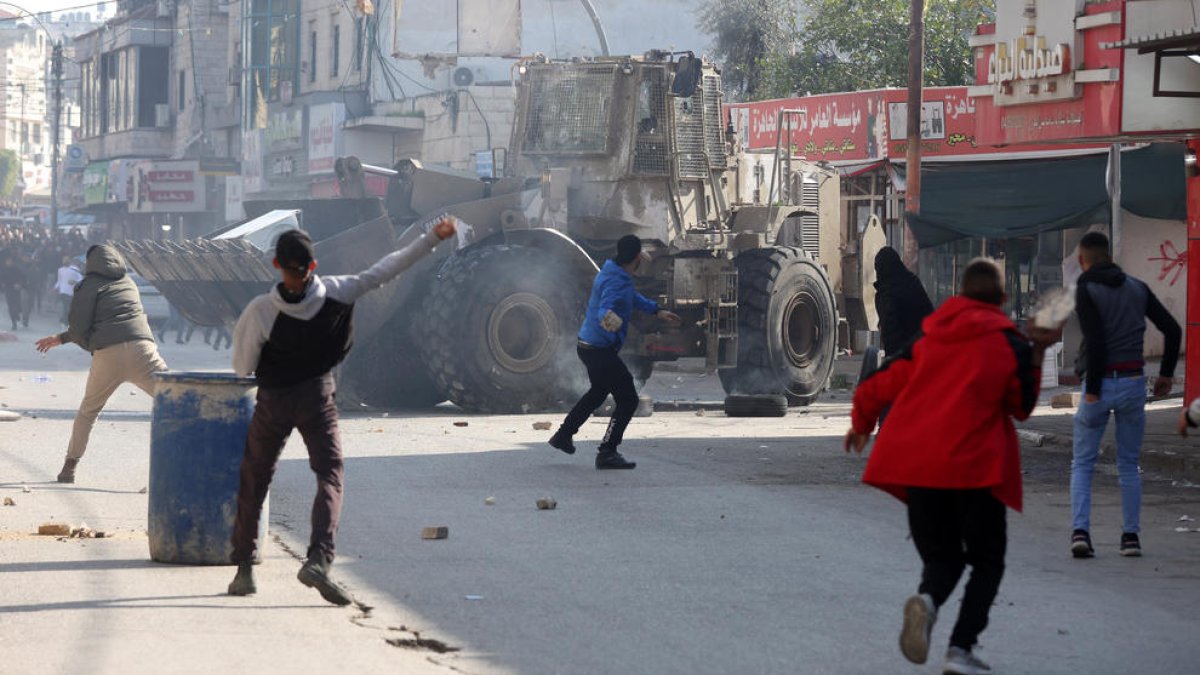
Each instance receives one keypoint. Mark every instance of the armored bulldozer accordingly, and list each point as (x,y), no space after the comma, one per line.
(742,247)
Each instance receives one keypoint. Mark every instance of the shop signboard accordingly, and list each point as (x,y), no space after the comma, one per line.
(234,195)
(253,179)
(832,127)
(120,180)
(172,186)
(95,183)
(285,131)
(1029,66)
(824,131)
(325,136)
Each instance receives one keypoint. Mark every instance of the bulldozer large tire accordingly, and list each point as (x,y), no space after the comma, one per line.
(386,371)
(499,330)
(787,326)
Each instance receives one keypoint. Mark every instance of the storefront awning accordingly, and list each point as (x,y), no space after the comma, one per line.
(1181,38)
(1016,199)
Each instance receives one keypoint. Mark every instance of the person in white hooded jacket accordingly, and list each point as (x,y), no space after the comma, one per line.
(291,339)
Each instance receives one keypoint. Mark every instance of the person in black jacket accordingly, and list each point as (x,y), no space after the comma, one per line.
(900,301)
(1113,308)
(291,339)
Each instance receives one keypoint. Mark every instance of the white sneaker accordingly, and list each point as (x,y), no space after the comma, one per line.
(919,617)
(961,661)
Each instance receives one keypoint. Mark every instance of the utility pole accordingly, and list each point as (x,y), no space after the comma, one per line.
(56,70)
(916,69)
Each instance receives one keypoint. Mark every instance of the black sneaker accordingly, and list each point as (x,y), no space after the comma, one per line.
(243,583)
(1131,547)
(315,574)
(1081,544)
(611,459)
(562,442)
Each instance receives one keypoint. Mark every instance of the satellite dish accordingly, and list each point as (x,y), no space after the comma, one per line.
(463,77)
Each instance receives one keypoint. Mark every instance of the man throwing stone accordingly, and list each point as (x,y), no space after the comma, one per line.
(291,339)
(603,332)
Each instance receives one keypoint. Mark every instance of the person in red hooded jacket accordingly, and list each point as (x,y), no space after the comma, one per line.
(955,458)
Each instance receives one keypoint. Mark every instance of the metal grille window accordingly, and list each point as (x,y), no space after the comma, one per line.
(650,153)
(714,131)
(569,110)
(810,226)
(689,137)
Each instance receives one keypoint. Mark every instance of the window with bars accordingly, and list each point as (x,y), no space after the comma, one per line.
(569,110)
(651,152)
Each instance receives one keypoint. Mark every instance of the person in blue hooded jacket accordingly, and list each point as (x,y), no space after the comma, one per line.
(603,332)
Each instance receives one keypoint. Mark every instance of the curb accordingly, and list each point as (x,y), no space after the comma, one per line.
(1171,464)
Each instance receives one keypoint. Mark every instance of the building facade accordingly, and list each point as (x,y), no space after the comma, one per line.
(156,119)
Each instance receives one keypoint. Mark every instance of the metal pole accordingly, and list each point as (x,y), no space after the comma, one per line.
(591,12)
(1114,195)
(56,70)
(916,67)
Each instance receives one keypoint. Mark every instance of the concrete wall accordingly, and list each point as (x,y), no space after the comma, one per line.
(199,50)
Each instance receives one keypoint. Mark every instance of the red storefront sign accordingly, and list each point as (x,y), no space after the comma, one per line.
(1026,103)
(869,125)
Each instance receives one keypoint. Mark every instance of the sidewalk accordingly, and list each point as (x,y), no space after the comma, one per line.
(1164,451)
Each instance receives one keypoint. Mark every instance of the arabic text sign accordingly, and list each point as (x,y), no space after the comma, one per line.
(831,127)
(324,136)
(1022,115)
(168,187)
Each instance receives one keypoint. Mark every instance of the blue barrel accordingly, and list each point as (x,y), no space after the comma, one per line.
(197,436)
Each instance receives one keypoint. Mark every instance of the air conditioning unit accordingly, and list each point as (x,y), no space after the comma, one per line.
(162,115)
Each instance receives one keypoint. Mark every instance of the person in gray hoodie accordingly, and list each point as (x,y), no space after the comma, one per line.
(106,318)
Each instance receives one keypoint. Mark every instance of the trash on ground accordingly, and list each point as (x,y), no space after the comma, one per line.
(1183,529)
(490,501)
(8,501)
(1185,519)
(542,426)
(460,424)
(26,489)
(436,532)
(9,416)
(473,597)
(142,491)
(55,529)
(699,413)
(546,504)
(40,379)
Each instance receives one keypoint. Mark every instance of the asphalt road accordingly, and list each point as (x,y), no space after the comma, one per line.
(736,546)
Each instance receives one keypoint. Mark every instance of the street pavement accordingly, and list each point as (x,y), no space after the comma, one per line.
(736,546)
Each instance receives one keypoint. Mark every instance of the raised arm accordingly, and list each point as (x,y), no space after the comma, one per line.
(350,287)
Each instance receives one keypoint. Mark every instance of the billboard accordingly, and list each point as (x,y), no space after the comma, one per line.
(325,136)
(95,183)
(175,186)
(1042,104)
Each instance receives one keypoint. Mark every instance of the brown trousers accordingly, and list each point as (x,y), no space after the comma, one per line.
(135,361)
(308,407)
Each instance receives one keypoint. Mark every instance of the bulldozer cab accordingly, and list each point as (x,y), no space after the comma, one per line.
(637,139)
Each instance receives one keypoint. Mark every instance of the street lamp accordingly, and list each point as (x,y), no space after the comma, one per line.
(56,70)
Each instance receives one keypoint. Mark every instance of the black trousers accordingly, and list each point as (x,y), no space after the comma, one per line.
(309,407)
(608,375)
(953,529)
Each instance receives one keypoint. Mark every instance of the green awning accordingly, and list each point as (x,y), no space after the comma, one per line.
(1017,198)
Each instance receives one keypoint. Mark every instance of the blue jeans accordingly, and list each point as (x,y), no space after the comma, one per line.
(1125,398)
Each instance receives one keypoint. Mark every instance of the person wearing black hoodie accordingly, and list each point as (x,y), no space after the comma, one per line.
(1113,308)
(900,301)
